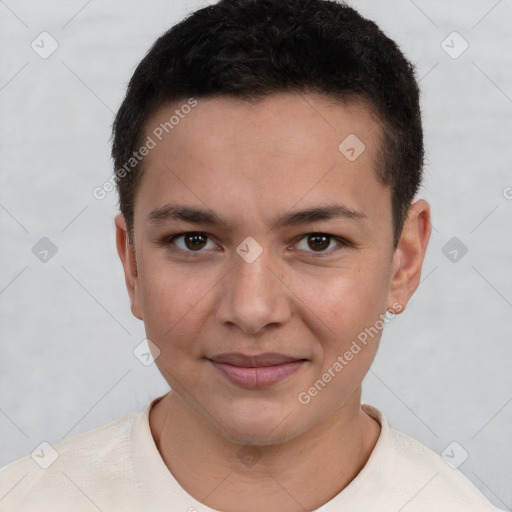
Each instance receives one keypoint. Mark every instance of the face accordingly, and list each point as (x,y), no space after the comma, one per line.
(262,256)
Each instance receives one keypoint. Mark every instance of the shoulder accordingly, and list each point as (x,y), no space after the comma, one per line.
(446,483)
(423,477)
(60,474)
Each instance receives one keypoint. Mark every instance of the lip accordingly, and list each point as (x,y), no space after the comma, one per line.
(256,371)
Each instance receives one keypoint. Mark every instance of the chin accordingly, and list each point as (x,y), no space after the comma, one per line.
(258,429)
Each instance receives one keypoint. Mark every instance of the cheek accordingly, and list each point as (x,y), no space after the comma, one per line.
(343,311)
(343,300)
(173,303)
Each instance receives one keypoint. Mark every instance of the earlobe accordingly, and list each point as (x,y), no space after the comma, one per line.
(409,256)
(128,259)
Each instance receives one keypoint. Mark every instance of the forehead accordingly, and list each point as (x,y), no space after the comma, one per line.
(263,157)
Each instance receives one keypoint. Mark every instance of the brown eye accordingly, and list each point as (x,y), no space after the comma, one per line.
(321,244)
(318,241)
(194,240)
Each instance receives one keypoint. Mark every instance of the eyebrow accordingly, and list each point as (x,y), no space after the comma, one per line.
(196,215)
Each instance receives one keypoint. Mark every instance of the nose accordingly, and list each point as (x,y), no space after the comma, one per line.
(253,296)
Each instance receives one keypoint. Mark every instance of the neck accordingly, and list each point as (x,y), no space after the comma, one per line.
(300,474)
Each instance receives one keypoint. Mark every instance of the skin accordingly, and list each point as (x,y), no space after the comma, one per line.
(251,164)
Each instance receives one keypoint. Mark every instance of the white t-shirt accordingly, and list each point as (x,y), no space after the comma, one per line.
(117,467)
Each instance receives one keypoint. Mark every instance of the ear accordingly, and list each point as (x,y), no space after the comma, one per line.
(127,254)
(409,255)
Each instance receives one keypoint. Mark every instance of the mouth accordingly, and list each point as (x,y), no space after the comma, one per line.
(256,371)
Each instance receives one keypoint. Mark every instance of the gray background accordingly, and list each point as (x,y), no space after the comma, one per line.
(67,363)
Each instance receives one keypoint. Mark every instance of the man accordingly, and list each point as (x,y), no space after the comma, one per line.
(267,158)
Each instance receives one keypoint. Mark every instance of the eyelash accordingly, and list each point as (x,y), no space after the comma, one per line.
(167,241)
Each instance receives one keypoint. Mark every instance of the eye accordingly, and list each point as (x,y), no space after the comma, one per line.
(191,241)
(319,242)
(194,241)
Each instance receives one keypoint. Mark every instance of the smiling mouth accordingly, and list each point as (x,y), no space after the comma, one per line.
(256,371)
